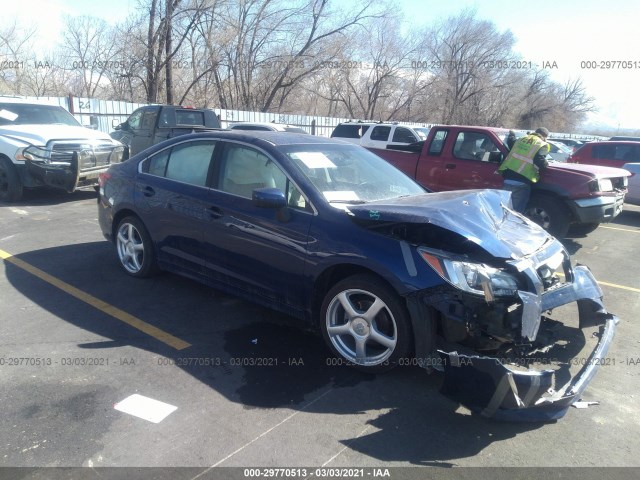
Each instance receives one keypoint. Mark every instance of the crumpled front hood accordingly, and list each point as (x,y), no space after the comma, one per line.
(41,134)
(481,216)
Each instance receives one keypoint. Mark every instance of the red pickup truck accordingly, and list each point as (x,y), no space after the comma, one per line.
(461,157)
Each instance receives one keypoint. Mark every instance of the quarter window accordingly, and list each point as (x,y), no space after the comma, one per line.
(437,143)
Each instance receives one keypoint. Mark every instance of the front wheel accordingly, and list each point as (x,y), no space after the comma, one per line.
(550,213)
(10,184)
(365,324)
(135,248)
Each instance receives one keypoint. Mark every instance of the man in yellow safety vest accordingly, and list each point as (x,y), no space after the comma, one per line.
(521,168)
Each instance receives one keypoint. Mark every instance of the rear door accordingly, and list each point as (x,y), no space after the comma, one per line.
(171,196)
(377,136)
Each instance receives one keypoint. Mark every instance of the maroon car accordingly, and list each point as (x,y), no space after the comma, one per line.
(608,153)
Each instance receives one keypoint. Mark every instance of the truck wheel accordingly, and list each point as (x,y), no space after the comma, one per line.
(550,213)
(365,324)
(10,184)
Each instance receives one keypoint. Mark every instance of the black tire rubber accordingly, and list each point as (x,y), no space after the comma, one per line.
(148,265)
(550,213)
(10,184)
(392,321)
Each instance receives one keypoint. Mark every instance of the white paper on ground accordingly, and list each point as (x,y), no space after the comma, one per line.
(146,408)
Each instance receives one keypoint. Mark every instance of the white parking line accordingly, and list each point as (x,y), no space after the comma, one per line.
(262,435)
(346,446)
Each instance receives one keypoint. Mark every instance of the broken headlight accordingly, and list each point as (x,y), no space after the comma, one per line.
(475,278)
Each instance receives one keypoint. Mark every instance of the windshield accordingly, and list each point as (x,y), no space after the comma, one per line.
(34,114)
(350,173)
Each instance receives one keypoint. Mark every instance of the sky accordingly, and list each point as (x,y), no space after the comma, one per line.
(568,33)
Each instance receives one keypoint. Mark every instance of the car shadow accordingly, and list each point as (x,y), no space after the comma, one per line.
(258,358)
(630,217)
(50,196)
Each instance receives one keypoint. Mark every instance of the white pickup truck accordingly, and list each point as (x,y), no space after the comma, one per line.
(44,145)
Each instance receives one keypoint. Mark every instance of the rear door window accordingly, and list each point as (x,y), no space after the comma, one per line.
(380,133)
(187,163)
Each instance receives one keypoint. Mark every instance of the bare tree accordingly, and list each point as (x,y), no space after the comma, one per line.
(89,53)
(467,59)
(15,49)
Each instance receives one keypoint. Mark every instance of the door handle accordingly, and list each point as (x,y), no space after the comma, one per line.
(215,212)
(450,165)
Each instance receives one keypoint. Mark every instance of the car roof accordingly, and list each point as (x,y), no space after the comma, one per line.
(275,126)
(271,137)
(24,101)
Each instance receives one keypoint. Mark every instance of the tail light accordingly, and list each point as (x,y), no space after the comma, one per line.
(102,179)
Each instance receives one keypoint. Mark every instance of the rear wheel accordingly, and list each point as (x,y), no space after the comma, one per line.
(10,184)
(550,213)
(135,248)
(365,324)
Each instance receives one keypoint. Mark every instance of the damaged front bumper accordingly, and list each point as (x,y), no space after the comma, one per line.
(493,388)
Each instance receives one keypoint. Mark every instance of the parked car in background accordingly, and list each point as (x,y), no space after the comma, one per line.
(559,152)
(569,142)
(44,145)
(607,153)
(379,135)
(389,274)
(266,127)
(153,124)
(633,196)
(625,139)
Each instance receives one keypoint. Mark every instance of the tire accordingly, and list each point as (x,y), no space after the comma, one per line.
(582,229)
(550,213)
(10,184)
(371,341)
(135,248)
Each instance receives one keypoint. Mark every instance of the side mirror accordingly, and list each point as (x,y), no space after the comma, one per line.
(269,198)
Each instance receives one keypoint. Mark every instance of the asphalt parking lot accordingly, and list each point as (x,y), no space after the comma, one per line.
(79,336)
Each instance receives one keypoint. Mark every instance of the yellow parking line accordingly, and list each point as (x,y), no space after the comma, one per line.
(614,285)
(101,305)
(621,229)
(637,290)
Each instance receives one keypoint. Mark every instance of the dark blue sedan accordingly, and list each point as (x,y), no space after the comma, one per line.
(330,233)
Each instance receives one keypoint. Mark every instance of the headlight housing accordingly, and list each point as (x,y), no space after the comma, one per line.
(33,153)
(601,185)
(474,278)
